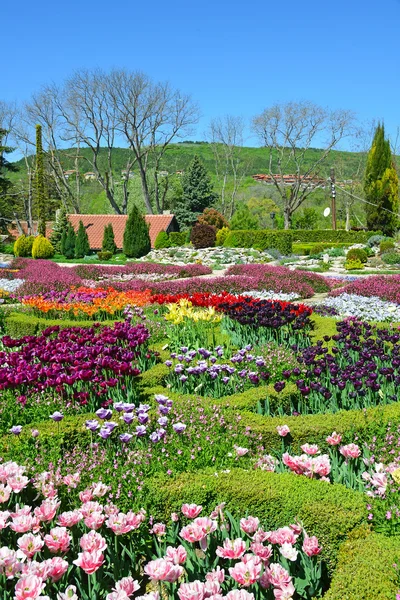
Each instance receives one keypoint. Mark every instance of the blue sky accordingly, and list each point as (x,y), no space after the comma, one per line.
(233,57)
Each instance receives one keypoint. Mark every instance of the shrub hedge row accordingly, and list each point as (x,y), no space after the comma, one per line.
(331,235)
(330,512)
(21,324)
(260,240)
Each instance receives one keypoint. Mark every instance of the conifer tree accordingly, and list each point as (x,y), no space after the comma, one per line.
(197,195)
(82,246)
(69,246)
(7,203)
(60,226)
(40,187)
(381,186)
(108,244)
(136,235)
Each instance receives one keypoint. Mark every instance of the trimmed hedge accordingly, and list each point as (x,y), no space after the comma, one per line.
(20,324)
(331,235)
(260,240)
(328,511)
(305,249)
(365,568)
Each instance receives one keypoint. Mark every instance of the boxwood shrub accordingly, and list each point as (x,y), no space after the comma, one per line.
(328,511)
(331,235)
(260,240)
(20,324)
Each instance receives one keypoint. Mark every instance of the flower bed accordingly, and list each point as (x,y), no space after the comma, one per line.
(368,308)
(386,288)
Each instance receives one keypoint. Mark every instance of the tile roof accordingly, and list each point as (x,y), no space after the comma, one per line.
(95,227)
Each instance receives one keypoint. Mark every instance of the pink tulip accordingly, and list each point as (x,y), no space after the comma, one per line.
(57,566)
(191,591)
(240,451)
(5,492)
(72,480)
(28,587)
(284,535)
(310,546)
(249,525)
(163,570)
(58,540)
(176,555)
(239,595)
(211,588)
(89,561)
(69,519)
(95,520)
(191,511)
(17,483)
(100,489)
(277,575)
(69,594)
(92,542)
(39,569)
(283,430)
(127,585)
(334,439)
(4,516)
(91,507)
(350,451)
(47,510)
(232,549)
(310,449)
(264,552)
(134,520)
(118,524)
(285,592)
(246,573)
(217,574)
(85,496)
(22,524)
(29,544)
(120,595)
(159,529)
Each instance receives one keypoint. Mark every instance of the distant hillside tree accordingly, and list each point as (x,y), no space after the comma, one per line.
(197,195)
(82,246)
(381,186)
(287,132)
(40,187)
(136,235)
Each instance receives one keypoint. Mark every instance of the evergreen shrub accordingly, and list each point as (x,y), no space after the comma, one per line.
(42,248)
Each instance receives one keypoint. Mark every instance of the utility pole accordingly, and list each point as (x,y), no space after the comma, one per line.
(333,196)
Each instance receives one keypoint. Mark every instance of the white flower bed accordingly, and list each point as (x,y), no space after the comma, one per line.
(10,285)
(367,308)
(271,295)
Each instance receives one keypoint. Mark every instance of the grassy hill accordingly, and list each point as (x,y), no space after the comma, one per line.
(178,156)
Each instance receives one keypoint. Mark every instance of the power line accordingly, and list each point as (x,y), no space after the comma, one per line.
(366,201)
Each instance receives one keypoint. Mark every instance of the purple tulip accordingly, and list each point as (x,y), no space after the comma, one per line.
(125,437)
(119,406)
(57,416)
(92,425)
(141,430)
(110,426)
(143,418)
(162,421)
(128,418)
(16,429)
(104,433)
(104,413)
(179,427)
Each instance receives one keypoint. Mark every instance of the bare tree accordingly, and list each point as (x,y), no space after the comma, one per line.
(43,108)
(289,132)
(226,138)
(150,117)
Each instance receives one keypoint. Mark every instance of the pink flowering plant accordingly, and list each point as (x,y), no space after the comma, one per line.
(53,548)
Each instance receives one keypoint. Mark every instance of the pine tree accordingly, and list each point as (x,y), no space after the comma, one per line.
(60,226)
(136,235)
(243,218)
(69,246)
(197,195)
(381,186)
(108,244)
(82,246)
(40,187)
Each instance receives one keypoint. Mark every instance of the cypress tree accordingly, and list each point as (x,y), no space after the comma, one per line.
(59,228)
(69,246)
(108,244)
(40,188)
(82,246)
(197,193)
(136,235)
(381,186)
